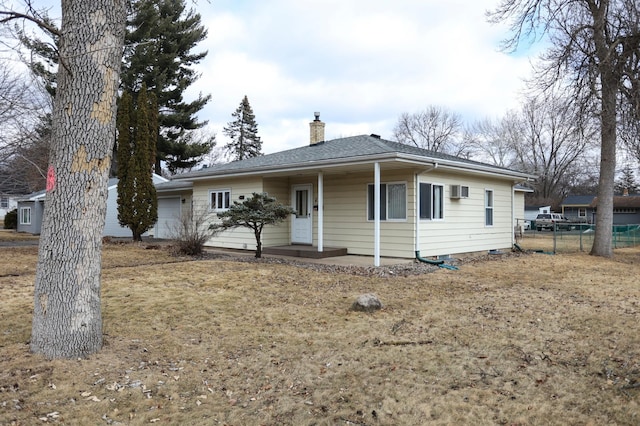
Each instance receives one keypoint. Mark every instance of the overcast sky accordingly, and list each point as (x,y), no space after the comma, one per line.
(360,63)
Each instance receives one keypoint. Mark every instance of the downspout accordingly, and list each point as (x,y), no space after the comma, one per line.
(416,194)
(513,215)
(417,218)
(376,214)
(320,212)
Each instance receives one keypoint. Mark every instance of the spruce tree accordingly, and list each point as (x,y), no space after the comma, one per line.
(626,182)
(137,126)
(159,40)
(243,131)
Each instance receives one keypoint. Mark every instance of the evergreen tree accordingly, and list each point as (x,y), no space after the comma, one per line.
(243,131)
(626,182)
(159,40)
(137,124)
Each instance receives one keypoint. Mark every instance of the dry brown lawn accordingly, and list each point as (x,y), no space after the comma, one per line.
(12,235)
(520,340)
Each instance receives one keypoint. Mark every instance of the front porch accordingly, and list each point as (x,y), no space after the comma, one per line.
(307,251)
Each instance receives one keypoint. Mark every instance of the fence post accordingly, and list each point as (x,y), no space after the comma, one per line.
(580,233)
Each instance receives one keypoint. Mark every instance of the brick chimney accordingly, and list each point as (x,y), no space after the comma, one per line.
(317,130)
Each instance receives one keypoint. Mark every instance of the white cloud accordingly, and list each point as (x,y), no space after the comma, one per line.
(361,63)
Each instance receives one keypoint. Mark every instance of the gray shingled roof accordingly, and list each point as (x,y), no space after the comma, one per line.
(173,186)
(349,148)
(572,200)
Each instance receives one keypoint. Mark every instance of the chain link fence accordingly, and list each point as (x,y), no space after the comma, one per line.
(571,237)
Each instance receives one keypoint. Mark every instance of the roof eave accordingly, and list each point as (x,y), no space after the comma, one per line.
(341,162)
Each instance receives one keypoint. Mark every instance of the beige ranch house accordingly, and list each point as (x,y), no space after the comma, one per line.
(370,196)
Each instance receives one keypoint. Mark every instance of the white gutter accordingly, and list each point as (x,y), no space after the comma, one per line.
(367,159)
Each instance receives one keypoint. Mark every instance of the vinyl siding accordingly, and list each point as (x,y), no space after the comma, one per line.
(277,235)
(345,215)
(463,229)
(240,238)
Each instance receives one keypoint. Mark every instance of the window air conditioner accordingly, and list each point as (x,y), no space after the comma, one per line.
(459,191)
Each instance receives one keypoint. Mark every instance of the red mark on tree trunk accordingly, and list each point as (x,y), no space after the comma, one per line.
(51,179)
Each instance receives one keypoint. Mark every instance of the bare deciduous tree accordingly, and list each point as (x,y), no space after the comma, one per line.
(553,139)
(436,129)
(594,44)
(494,141)
(67,318)
(22,107)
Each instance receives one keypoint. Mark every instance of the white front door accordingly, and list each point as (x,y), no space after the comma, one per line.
(302,222)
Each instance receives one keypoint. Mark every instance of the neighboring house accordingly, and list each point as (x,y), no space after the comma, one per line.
(626,209)
(371,196)
(8,202)
(577,208)
(31,208)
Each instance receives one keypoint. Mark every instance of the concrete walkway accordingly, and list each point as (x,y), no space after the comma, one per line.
(348,260)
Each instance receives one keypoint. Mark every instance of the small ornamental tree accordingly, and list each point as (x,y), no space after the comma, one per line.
(255,213)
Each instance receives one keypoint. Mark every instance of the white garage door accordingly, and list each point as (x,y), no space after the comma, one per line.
(168,217)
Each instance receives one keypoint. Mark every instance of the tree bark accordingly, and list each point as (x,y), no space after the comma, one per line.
(603,238)
(610,83)
(67,318)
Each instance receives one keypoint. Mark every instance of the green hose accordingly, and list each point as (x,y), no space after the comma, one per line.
(438,263)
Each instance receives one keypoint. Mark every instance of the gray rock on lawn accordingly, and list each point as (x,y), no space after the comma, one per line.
(367,303)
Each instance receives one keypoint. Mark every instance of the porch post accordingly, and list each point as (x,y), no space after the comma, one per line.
(376,214)
(320,212)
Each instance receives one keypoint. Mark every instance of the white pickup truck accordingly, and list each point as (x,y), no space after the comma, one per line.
(551,220)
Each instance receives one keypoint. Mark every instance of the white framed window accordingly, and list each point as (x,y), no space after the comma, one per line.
(219,199)
(488,207)
(25,215)
(582,212)
(4,202)
(431,201)
(393,201)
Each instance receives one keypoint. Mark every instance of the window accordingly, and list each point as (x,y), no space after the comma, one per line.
(393,201)
(582,212)
(25,215)
(488,207)
(220,199)
(302,203)
(431,201)
(4,202)
(624,210)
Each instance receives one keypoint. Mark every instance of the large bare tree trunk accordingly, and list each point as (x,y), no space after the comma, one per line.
(67,318)
(610,83)
(603,238)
